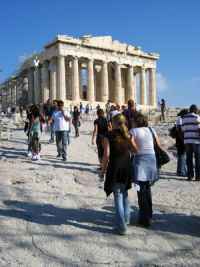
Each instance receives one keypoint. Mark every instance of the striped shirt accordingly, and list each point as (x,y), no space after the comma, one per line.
(191,128)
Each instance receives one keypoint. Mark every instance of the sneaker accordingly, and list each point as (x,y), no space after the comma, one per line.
(34,157)
(29,154)
(64,159)
(38,157)
(58,156)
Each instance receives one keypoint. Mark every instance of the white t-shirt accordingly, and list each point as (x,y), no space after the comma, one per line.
(144,140)
(114,113)
(60,124)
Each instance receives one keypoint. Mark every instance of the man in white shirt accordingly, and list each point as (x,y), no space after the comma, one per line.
(61,121)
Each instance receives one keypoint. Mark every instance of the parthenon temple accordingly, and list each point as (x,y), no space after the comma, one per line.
(92,69)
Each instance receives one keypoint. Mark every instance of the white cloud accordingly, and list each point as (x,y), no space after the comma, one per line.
(162,83)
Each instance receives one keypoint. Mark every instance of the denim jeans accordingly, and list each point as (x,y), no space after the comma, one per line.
(122,210)
(193,150)
(61,142)
(181,165)
(52,132)
(68,137)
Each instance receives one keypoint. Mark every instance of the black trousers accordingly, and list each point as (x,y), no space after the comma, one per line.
(144,203)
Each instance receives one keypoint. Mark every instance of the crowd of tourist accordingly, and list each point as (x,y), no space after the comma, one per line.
(128,149)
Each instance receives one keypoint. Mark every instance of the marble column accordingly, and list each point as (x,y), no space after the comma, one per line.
(75,80)
(80,81)
(118,84)
(30,86)
(104,82)
(36,86)
(130,84)
(90,92)
(143,86)
(25,91)
(17,91)
(14,93)
(53,79)
(61,86)
(9,93)
(152,87)
(45,82)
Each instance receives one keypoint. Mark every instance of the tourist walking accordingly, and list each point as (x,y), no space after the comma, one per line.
(100,131)
(130,113)
(163,109)
(35,133)
(50,112)
(144,166)
(81,107)
(76,120)
(113,112)
(116,165)
(87,109)
(61,120)
(27,127)
(108,106)
(181,153)
(191,132)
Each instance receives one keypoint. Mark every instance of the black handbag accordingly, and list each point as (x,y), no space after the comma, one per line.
(162,157)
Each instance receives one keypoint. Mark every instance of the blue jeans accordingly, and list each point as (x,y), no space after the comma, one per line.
(52,132)
(181,165)
(193,150)
(68,137)
(61,142)
(122,210)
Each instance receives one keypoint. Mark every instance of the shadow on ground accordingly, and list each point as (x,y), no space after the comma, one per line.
(11,152)
(69,165)
(171,176)
(96,220)
(47,214)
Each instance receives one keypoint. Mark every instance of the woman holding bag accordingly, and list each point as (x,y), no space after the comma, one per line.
(145,171)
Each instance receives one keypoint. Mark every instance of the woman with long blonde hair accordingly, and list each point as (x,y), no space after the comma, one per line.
(116,165)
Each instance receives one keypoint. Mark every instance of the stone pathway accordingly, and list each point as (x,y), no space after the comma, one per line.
(56,214)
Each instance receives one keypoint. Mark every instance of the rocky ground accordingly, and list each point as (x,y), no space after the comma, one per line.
(56,214)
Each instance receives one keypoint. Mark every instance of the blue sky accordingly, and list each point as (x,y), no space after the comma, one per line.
(171,28)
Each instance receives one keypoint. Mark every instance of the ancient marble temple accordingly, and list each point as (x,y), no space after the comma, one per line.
(92,69)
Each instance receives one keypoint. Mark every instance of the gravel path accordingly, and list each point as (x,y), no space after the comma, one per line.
(56,214)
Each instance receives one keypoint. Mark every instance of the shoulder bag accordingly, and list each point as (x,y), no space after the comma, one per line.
(162,156)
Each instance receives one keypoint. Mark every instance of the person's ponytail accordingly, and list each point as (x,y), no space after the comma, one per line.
(124,130)
(119,122)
